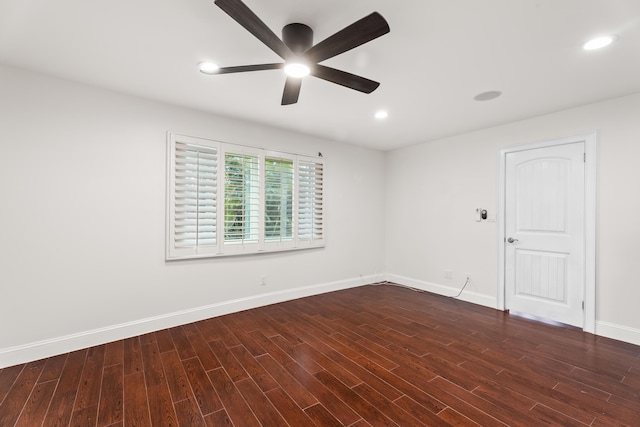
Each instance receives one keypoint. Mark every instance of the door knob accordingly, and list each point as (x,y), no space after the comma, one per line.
(512,240)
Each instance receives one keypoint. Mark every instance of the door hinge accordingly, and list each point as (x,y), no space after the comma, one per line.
(584,158)
(583,305)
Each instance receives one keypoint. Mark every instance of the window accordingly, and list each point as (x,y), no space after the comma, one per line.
(241,198)
(226,199)
(278,203)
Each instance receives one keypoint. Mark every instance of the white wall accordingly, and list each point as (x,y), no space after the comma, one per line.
(433,188)
(82,190)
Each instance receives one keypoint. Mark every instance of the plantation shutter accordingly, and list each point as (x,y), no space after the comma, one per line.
(195,190)
(230,199)
(241,198)
(310,202)
(278,200)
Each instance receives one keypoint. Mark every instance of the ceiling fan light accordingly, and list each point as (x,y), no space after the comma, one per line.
(598,43)
(381,115)
(208,67)
(296,69)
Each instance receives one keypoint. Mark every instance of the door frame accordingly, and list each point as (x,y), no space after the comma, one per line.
(589,140)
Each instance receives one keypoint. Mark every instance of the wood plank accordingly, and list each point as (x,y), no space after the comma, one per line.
(204,352)
(388,408)
(234,369)
(61,406)
(164,340)
(287,382)
(221,332)
(182,343)
(419,412)
(241,329)
(254,368)
(136,408)
(203,390)
(7,377)
(110,410)
(339,409)
(264,411)
(288,408)
(298,354)
(87,416)
(322,417)
(354,401)
(36,407)
(357,365)
(234,403)
(132,356)
(527,386)
(89,386)
(218,419)
(19,393)
(189,414)
(161,408)
(548,416)
(455,418)
(114,353)
(505,415)
(176,376)
(53,368)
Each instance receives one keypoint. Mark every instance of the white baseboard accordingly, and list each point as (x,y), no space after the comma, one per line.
(618,332)
(39,350)
(468,296)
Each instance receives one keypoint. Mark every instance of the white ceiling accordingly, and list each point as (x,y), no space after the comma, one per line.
(437,57)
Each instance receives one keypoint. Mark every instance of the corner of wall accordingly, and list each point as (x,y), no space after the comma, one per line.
(618,332)
(447,291)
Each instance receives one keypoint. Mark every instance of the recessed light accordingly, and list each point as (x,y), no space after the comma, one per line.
(208,67)
(598,43)
(487,96)
(296,69)
(381,115)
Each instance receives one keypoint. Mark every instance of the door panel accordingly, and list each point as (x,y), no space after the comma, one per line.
(544,225)
(541,275)
(541,198)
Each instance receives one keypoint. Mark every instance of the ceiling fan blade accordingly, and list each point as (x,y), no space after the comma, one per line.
(360,32)
(244,68)
(239,11)
(291,90)
(343,78)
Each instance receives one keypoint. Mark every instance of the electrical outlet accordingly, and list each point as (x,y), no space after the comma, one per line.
(448,274)
(263,280)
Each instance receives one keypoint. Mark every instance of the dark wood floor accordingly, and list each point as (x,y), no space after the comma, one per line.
(374,355)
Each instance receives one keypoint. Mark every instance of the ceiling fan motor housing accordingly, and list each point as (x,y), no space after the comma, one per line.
(298,37)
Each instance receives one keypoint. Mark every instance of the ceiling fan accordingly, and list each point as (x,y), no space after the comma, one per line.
(301,56)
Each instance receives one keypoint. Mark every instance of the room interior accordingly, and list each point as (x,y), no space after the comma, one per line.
(88,93)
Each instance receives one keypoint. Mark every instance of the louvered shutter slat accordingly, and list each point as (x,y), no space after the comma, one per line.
(195,191)
(310,199)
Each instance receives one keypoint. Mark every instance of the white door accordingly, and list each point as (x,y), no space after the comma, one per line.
(544,232)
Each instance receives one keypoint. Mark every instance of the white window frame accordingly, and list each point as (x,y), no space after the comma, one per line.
(227,248)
